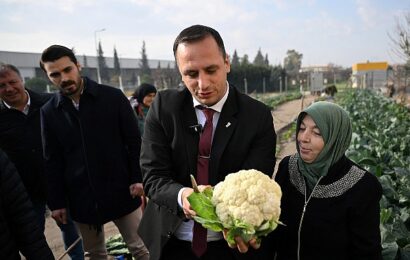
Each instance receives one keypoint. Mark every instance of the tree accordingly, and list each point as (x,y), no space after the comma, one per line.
(145,69)
(235,59)
(266,60)
(401,38)
(86,72)
(401,41)
(292,62)
(259,60)
(117,67)
(245,60)
(36,84)
(102,65)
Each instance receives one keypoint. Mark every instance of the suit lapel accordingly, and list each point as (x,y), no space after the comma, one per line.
(226,125)
(190,136)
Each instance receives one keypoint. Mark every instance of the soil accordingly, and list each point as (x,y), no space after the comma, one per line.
(55,241)
(283,116)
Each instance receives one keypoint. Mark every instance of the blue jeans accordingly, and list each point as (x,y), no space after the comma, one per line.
(70,235)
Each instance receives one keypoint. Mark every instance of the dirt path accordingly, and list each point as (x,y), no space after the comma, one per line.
(283,116)
(55,241)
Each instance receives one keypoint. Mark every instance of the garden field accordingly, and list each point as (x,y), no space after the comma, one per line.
(381,144)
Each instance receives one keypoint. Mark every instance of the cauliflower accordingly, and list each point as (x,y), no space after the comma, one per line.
(248,195)
(246,203)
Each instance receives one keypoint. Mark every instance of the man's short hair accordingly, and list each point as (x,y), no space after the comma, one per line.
(55,52)
(5,68)
(196,33)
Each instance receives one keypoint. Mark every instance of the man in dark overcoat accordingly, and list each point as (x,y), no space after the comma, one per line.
(91,146)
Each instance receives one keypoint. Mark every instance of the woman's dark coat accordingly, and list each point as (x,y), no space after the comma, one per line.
(341,221)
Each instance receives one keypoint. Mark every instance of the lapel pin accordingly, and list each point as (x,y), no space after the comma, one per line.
(228,124)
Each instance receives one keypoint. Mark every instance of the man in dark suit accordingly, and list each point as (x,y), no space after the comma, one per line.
(20,135)
(243,137)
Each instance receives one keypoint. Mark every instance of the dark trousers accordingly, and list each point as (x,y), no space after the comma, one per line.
(177,249)
(70,235)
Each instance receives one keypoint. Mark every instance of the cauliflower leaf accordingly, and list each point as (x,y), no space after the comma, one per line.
(201,203)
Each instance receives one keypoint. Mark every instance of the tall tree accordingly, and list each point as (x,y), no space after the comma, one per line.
(86,72)
(245,60)
(401,42)
(292,62)
(36,84)
(235,59)
(266,60)
(259,60)
(145,69)
(401,37)
(104,74)
(117,67)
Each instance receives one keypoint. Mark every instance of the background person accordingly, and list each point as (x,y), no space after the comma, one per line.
(91,145)
(179,129)
(141,101)
(20,138)
(330,205)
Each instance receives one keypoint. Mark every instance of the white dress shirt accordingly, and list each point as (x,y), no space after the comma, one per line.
(184,231)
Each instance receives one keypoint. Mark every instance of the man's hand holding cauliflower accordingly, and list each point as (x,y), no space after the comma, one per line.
(245,206)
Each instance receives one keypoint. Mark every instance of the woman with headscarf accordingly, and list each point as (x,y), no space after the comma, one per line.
(141,100)
(330,205)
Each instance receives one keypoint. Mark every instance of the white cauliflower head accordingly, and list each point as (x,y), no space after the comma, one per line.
(248,196)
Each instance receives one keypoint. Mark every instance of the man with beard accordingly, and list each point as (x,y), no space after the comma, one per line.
(91,147)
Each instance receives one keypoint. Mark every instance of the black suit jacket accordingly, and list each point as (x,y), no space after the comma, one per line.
(244,139)
(20,138)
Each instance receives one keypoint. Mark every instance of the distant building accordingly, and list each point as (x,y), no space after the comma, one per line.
(164,73)
(319,77)
(370,75)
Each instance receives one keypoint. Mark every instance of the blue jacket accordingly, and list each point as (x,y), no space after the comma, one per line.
(91,154)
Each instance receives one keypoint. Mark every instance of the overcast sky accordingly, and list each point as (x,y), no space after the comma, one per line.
(342,32)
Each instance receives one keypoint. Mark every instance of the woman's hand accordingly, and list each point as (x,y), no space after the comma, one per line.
(242,246)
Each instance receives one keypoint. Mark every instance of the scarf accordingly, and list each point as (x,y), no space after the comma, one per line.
(336,130)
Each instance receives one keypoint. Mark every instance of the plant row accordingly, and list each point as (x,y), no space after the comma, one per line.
(381,144)
(274,101)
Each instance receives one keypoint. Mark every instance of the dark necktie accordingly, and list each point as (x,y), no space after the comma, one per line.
(199,242)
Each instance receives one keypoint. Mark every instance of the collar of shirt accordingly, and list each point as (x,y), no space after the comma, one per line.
(26,107)
(184,231)
(77,105)
(217,108)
